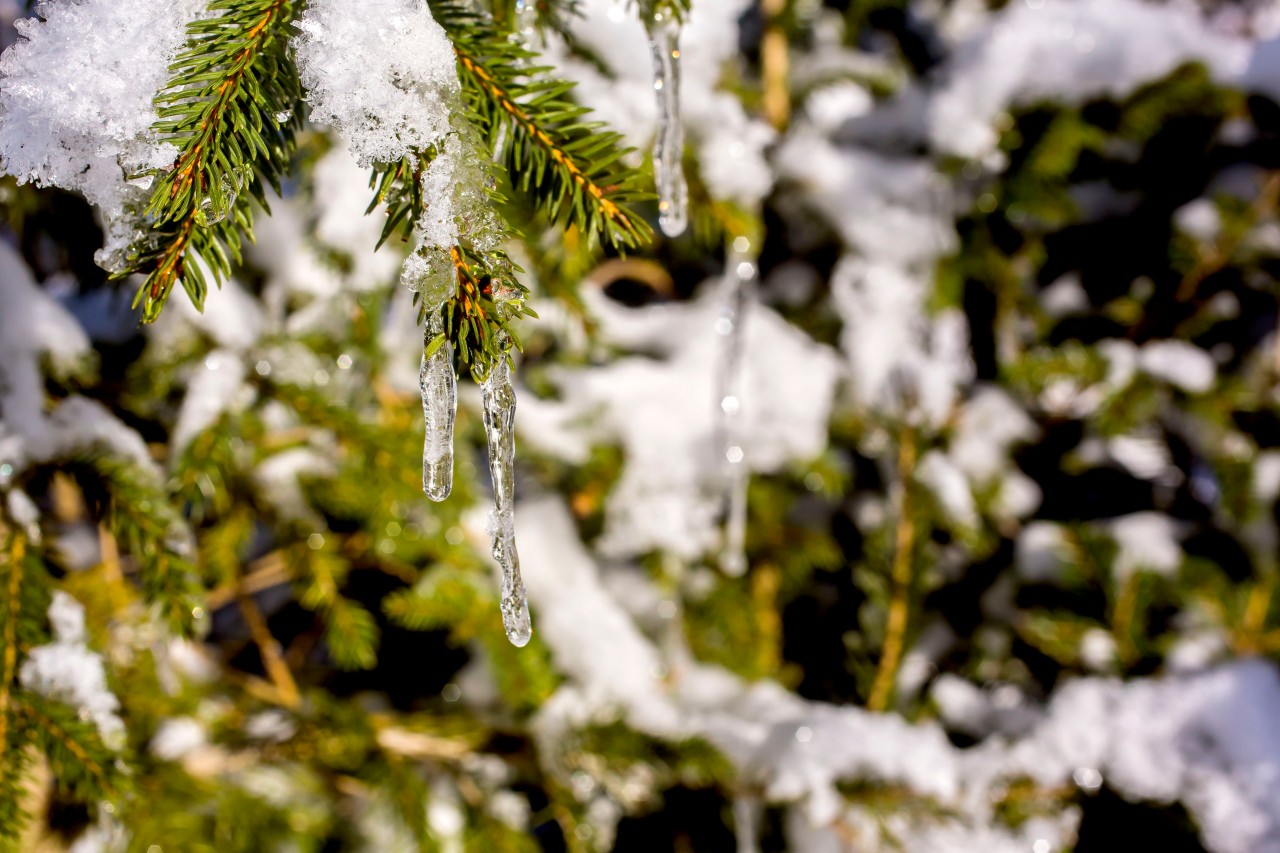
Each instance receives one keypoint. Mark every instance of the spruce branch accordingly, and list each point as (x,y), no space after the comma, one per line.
(350,634)
(232,109)
(479,325)
(144,522)
(572,168)
(15,762)
(80,762)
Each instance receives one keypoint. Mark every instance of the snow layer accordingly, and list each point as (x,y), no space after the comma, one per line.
(68,671)
(902,362)
(215,387)
(1206,740)
(666,497)
(1067,51)
(33,328)
(76,98)
(385,78)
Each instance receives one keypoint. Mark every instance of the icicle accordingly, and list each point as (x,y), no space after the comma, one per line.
(668,146)
(439,407)
(739,280)
(499,425)
(525,29)
(746,823)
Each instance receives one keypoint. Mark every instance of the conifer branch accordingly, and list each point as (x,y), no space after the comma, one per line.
(231,108)
(572,168)
(144,522)
(81,763)
(351,634)
(15,762)
(480,327)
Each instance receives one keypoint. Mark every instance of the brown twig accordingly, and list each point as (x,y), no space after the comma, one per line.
(901,577)
(775,65)
(1220,254)
(269,647)
(17,552)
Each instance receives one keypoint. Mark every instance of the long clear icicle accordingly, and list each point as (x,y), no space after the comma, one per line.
(525,29)
(746,823)
(738,291)
(668,145)
(439,408)
(499,425)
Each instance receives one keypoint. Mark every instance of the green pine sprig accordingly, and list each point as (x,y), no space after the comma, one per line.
(152,532)
(573,169)
(232,108)
(479,325)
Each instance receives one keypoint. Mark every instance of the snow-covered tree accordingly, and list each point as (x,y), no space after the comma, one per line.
(897,425)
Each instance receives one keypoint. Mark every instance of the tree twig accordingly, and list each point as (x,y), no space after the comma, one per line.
(901,577)
(272,655)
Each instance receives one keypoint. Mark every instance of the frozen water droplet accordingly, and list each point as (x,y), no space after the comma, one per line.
(283,116)
(668,146)
(499,424)
(526,23)
(439,386)
(215,208)
(142,182)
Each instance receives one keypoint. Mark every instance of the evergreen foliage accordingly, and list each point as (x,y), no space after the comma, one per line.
(308,656)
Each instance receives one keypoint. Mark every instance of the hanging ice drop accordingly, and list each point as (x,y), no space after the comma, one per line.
(439,407)
(499,426)
(738,291)
(668,145)
(525,28)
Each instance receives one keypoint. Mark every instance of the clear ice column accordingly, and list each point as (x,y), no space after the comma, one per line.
(737,293)
(499,425)
(668,145)
(439,388)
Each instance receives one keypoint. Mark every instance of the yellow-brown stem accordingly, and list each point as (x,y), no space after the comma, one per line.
(1250,638)
(1122,617)
(189,169)
(765,581)
(188,166)
(17,552)
(272,655)
(901,578)
(110,552)
(775,65)
(1220,254)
